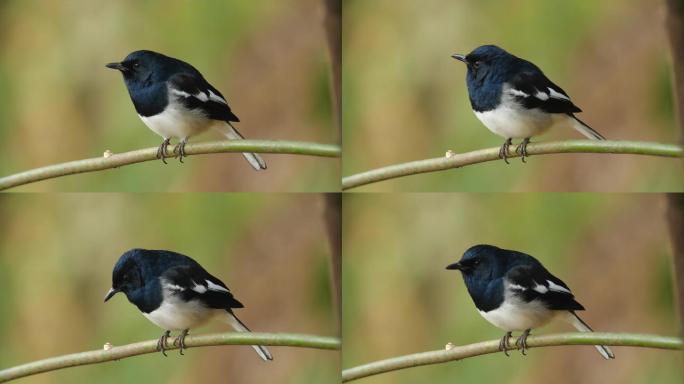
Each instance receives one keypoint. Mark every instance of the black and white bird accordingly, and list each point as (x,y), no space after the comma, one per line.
(174,292)
(514,292)
(175,101)
(513,98)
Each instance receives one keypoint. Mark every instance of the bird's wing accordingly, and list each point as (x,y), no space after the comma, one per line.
(196,93)
(534,90)
(192,282)
(534,282)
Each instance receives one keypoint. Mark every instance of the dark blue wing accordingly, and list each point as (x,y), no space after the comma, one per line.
(196,93)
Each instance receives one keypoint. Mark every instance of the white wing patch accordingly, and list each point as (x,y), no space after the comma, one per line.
(517,92)
(173,287)
(216,287)
(541,96)
(516,287)
(540,288)
(557,95)
(180,93)
(216,98)
(555,287)
(199,288)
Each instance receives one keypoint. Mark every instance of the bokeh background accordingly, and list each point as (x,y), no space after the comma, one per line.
(57,253)
(59,103)
(613,250)
(405,98)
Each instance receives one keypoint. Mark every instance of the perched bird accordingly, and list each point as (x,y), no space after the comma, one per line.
(174,292)
(514,292)
(174,100)
(513,98)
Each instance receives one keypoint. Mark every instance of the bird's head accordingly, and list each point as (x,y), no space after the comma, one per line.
(143,67)
(483,60)
(127,276)
(481,262)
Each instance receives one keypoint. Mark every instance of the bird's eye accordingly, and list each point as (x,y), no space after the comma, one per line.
(136,64)
(476,262)
(477,63)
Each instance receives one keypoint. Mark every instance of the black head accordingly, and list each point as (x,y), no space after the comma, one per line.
(482,262)
(144,67)
(127,276)
(485,60)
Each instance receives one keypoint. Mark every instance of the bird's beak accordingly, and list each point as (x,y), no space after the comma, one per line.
(455,265)
(460,57)
(111,293)
(117,66)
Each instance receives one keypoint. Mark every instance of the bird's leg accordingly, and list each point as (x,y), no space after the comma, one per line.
(162,151)
(180,149)
(180,340)
(505,343)
(162,344)
(522,149)
(504,151)
(522,341)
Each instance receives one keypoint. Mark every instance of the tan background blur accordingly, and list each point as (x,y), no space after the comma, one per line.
(612,250)
(59,103)
(56,258)
(405,98)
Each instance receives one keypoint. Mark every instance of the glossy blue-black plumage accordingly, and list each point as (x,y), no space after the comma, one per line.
(491,67)
(485,267)
(147,75)
(137,274)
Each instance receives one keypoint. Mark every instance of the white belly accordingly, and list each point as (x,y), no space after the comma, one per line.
(174,315)
(177,121)
(510,317)
(511,121)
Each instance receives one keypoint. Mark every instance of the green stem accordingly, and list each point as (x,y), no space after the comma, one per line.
(149,154)
(491,154)
(485,347)
(121,352)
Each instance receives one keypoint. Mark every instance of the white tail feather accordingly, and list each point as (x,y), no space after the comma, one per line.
(586,130)
(583,327)
(239,326)
(230,132)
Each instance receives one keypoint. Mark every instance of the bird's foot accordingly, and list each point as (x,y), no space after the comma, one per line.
(505,343)
(504,151)
(179,150)
(522,341)
(522,149)
(163,150)
(180,340)
(162,344)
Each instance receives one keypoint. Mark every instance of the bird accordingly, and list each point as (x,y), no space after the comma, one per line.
(175,101)
(513,98)
(174,292)
(514,292)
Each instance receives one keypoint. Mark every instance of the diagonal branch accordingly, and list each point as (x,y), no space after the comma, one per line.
(143,347)
(485,347)
(491,154)
(149,154)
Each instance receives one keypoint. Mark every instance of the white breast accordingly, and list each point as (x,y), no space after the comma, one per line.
(511,120)
(176,121)
(175,314)
(519,316)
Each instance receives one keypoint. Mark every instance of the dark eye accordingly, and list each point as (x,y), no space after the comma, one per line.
(476,262)
(477,63)
(136,64)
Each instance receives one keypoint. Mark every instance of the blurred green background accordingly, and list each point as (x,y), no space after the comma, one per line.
(405,98)
(57,253)
(613,250)
(59,103)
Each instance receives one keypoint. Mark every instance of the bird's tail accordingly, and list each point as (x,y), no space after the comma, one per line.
(230,132)
(583,327)
(239,326)
(586,130)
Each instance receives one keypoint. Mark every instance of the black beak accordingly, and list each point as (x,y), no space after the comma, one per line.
(111,293)
(117,66)
(455,265)
(460,57)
